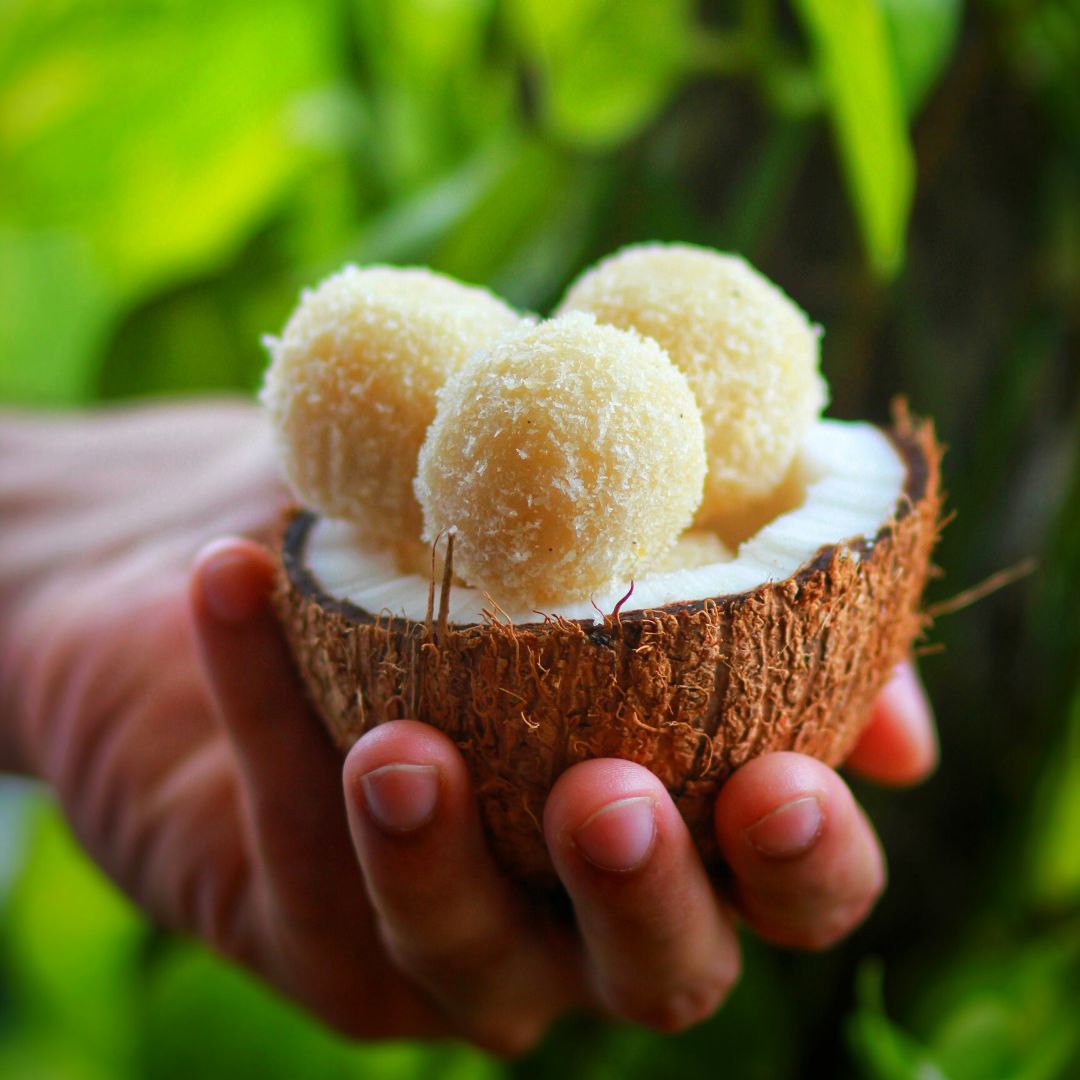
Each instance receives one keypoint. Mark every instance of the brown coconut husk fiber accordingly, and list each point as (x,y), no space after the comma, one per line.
(690,690)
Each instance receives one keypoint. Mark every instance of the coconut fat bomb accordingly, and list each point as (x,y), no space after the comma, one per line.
(351,387)
(565,457)
(714,656)
(749,354)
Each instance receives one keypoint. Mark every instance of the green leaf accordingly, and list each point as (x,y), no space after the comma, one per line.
(854,62)
(72,946)
(1009,1010)
(764,185)
(161,135)
(922,34)
(437,88)
(606,66)
(43,1054)
(185,342)
(57,306)
(883,1050)
(1055,830)
(409,229)
(526,234)
(246,1030)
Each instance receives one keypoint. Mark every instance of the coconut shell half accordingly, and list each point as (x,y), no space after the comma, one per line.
(690,690)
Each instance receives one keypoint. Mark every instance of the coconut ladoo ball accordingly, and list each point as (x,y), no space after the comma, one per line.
(750,355)
(352,381)
(567,457)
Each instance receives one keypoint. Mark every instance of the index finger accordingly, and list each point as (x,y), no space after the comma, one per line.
(280,748)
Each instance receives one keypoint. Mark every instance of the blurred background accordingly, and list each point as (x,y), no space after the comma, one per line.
(173,171)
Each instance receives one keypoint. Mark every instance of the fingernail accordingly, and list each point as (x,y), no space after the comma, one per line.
(401,798)
(789,830)
(619,836)
(231,593)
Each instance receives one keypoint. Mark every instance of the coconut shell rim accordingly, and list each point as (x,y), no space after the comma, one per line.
(915,442)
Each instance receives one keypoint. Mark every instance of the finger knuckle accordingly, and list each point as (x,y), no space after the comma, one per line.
(449,958)
(224,910)
(829,928)
(844,921)
(511,1040)
(678,1007)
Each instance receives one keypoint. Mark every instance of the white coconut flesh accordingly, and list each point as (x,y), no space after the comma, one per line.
(852,478)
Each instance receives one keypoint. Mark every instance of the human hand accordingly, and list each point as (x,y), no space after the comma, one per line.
(653,942)
(235,831)
(103,696)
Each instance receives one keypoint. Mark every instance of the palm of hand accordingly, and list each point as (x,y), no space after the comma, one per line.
(119,704)
(154,788)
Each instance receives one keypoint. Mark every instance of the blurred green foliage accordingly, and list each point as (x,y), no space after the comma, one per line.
(172,172)
(864,90)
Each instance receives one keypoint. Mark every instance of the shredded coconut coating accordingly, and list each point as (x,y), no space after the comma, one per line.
(567,457)
(750,355)
(352,382)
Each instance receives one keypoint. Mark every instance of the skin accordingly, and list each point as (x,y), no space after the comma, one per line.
(142,676)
